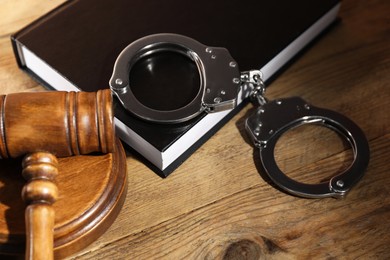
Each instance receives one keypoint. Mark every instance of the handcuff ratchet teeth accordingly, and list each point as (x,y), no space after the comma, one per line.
(220,83)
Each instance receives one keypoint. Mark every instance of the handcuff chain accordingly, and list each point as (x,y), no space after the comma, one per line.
(253,78)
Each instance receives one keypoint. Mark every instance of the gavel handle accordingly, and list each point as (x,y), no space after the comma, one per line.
(40,192)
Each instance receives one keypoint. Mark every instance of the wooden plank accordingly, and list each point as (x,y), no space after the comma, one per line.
(16,14)
(268,223)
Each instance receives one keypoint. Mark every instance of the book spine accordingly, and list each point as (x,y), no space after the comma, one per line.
(17,52)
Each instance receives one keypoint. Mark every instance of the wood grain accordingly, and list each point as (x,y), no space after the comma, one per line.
(63,123)
(220,205)
(40,192)
(91,192)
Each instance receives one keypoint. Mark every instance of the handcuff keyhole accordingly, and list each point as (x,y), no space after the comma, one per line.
(312,154)
(165,80)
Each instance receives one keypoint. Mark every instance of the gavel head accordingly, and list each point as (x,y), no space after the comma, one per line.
(62,123)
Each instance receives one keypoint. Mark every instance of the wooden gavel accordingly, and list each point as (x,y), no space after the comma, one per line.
(42,126)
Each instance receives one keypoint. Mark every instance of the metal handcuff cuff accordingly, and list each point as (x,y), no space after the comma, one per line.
(220,82)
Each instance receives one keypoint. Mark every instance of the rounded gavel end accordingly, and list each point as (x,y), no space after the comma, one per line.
(62,123)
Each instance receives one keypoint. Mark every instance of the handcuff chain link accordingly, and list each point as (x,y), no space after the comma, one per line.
(253,78)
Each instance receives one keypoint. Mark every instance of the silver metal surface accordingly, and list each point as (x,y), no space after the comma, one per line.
(274,118)
(220,82)
(252,79)
(218,88)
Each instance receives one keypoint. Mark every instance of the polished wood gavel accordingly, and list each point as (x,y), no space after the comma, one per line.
(42,126)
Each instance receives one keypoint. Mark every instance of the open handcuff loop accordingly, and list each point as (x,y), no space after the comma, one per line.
(220,83)
(272,119)
(219,77)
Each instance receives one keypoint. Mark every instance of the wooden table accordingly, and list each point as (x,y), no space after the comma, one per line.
(217,204)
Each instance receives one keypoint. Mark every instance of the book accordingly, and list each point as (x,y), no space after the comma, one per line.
(74,48)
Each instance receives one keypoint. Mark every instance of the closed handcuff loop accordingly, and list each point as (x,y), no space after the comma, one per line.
(221,81)
(219,77)
(271,120)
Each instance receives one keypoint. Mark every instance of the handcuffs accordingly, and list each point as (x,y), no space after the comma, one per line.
(220,83)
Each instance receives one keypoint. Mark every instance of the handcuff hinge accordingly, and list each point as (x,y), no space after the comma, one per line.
(254,80)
